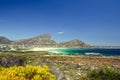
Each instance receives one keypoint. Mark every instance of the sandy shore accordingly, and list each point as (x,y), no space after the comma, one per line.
(44,49)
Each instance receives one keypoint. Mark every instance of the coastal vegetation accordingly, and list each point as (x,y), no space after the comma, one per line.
(64,67)
(104,73)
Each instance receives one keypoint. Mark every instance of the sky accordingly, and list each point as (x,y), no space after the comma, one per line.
(96,22)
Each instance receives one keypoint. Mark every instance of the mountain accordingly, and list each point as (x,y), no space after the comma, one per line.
(4,40)
(38,41)
(44,40)
(74,44)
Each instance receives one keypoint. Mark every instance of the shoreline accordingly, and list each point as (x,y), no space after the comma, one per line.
(78,51)
(45,49)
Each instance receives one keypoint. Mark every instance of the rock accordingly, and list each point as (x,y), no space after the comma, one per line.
(56,70)
(68,77)
(61,76)
(78,73)
(79,65)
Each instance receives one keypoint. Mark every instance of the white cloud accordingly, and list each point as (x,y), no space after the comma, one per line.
(60,33)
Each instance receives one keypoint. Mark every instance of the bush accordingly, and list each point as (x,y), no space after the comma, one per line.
(11,60)
(102,74)
(26,73)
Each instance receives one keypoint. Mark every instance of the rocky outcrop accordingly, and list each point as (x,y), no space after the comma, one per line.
(56,70)
(4,40)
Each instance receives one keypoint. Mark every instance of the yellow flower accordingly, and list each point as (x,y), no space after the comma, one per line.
(27,72)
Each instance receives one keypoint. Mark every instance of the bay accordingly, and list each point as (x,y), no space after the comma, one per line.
(78,51)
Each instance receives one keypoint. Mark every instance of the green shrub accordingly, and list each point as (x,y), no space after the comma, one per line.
(104,73)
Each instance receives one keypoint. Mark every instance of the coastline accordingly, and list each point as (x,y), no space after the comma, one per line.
(45,49)
(73,66)
(79,51)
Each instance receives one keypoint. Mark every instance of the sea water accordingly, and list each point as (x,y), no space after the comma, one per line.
(74,51)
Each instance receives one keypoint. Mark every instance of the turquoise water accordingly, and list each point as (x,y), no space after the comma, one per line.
(112,52)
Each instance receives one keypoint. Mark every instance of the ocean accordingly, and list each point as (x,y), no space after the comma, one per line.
(77,51)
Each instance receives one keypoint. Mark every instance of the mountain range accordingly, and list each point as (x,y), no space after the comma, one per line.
(44,40)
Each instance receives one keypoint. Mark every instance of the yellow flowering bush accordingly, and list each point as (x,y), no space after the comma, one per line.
(26,73)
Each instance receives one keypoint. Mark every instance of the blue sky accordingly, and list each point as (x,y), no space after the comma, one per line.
(96,22)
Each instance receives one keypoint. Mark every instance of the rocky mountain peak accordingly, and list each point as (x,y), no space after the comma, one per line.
(44,36)
(43,40)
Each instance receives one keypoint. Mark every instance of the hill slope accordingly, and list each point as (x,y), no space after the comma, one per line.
(4,40)
(44,40)
(73,44)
